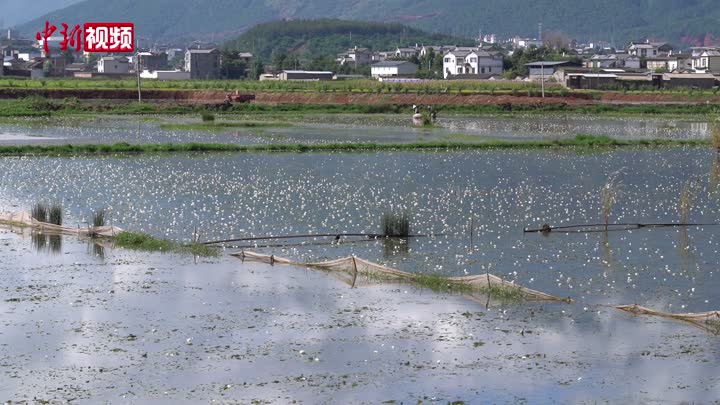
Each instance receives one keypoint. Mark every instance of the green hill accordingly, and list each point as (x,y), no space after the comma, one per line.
(327,37)
(618,20)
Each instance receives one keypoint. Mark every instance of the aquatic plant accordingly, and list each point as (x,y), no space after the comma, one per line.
(40,212)
(208,117)
(687,200)
(55,214)
(608,197)
(144,242)
(98,218)
(395,225)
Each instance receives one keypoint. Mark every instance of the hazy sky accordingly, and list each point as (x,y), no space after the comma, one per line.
(15,12)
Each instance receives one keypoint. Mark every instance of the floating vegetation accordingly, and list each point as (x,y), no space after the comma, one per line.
(396,225)
(582,141)
(707,321)
(355,271)
(144,242)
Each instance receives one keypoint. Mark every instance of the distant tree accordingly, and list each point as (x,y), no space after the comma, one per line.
(280,59)
(48,67)
(258,68)
(231,65)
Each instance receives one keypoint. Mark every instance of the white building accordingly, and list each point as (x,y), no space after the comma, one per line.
(526,42)
(392,68)
(707,62)
(113,64)
(165,75)
(463,61)
(648,49)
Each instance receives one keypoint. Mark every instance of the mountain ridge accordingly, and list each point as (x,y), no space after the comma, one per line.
(620,21)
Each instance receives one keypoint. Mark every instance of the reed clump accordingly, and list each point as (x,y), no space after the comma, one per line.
(396,225)
(687,200)
(98,218)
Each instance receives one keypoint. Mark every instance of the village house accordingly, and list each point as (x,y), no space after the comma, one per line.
(518,43)
(355,57)
(305,75)
(246,57)
(545,70)
(151,61)
(407,53)
(707,62)
(203,63)
(466,61)
(648,49)
(391,68)
(113,65)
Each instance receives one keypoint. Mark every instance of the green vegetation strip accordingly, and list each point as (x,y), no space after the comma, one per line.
(583,141)
(218,126)
(441,284)
(147,243)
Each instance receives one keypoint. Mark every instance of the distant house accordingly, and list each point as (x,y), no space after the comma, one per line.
(391,68)
(518,42)
(151,61)
(406,53)
(466,61)
(648,49)
(113,65)
(305,75)
(545,70)
(203,63)
(73,68)
(355,57)
(707,62)
(246,57)
(36,69)
(680,62)
(658,63)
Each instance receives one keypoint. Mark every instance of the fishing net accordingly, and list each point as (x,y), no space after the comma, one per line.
(23,219)
(707,321)
(357,272)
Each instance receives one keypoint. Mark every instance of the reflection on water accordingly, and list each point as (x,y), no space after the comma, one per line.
(44,243)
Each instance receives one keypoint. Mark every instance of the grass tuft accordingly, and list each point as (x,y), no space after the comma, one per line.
(208,117)
(40,212)
(99,218)
(55,214)
(147,243)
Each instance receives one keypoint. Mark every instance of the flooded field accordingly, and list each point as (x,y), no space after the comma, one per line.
(334,128)
(82,322)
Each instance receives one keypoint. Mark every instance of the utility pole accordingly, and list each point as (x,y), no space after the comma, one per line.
(137,70)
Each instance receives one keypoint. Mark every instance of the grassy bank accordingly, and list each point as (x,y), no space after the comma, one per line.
(39,106)
(147,243)
(580,141)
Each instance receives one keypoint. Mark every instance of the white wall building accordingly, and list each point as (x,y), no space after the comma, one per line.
(471,62)
(707,62)
(392,68)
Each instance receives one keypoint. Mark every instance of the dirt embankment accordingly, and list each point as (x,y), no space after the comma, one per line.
(216,96)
